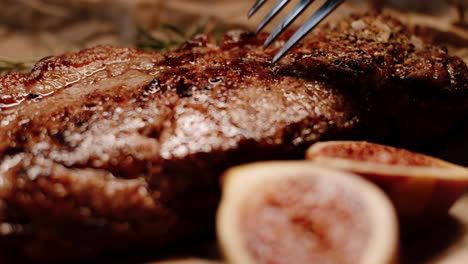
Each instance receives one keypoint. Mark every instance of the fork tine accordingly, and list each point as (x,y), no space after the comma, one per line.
(255,7)
(276,9)
(287,21)
(322,13)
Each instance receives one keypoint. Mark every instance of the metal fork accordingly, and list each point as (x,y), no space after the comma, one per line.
(313,21)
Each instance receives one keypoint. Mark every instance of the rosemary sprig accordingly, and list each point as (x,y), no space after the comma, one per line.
(174,29)
(8,66)
(146,41)
(172,36)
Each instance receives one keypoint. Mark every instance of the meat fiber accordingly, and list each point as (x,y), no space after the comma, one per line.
(116,148)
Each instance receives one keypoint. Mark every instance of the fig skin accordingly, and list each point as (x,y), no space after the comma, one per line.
(244,185)
(422,188)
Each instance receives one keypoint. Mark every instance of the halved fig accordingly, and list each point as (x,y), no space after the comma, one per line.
(420,186)
(298,212)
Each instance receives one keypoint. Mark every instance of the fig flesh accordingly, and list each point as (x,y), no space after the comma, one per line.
(298,212)
(421,187)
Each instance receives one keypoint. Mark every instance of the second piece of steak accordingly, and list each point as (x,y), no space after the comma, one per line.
(117,148)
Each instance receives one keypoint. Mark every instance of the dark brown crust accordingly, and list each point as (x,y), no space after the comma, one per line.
(112,147)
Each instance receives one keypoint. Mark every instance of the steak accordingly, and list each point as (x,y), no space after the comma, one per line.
(117,148)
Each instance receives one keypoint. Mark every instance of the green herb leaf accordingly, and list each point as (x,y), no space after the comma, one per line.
(8,66)
(171,37)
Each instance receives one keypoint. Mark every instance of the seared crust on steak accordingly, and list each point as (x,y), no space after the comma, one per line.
(118,148)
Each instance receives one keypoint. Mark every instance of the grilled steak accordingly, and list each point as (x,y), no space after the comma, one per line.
(117,148)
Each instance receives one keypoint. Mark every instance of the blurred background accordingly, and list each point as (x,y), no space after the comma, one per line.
(31,29)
